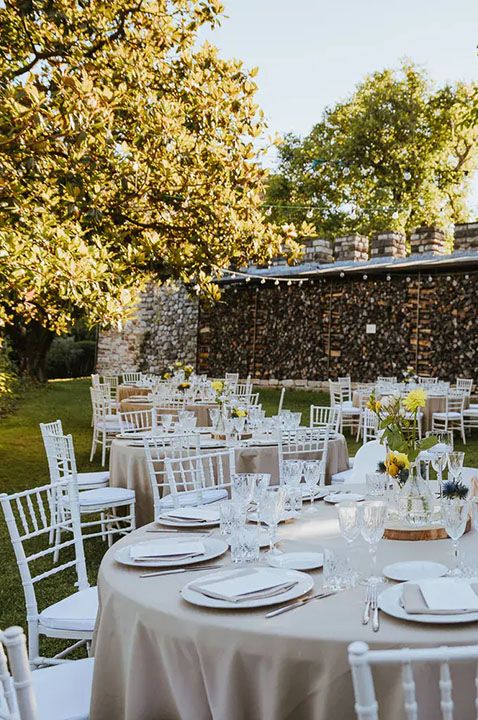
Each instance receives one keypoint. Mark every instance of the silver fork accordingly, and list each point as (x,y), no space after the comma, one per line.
(366,610)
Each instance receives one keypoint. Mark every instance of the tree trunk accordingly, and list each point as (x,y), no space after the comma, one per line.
(30,344)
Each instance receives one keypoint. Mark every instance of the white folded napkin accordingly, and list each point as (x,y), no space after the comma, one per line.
(167,548)
(245,585)
(443,596)
(197,514)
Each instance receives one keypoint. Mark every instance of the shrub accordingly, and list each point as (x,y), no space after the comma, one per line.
(8,378)
(67,358)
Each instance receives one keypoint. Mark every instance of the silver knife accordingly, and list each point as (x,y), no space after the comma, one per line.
(366,610)
(375,618)
(298,603)
(180,570)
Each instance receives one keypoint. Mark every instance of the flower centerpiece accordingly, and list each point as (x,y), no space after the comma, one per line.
(238,412)
(398,423)
(409,376)
(454,490)
(178,367)
(183,386)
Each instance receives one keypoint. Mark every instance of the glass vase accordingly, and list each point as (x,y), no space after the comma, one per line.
(416,500)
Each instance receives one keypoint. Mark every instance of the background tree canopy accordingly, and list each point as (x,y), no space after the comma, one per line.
(396,155)
(126,153)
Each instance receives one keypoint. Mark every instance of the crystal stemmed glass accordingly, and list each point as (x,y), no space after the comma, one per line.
(455,463)
(372,526)
(291,472)
(242,488)
(438,460)
(214,414)
(455,516)
(271,506)
(167,421)
(349,523)
(260,482)
(312,475)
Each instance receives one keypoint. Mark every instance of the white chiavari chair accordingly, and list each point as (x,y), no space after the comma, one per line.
(362,660)
(134,421)
(464,384)
(178,447)
(346,385)
(131,377)
(242,392)
(232,379)
(86,480)
(325,416)
(349,415)
(101,503)
(369,426)
(59,692)
(425,380)
(305,444)
(167,403)
(452,418)
(105,425)
(31,516)
(281,401)
(366,460)
(199,474)
(387,379)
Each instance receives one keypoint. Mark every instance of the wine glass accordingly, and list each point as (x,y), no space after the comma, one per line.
(372,526)
(312,477)
(438,461)
(455,463)
(291,472)
(214,414)
(242,488)
(349,520)
(271,507)
(455,516)
(260,482)
(167,421)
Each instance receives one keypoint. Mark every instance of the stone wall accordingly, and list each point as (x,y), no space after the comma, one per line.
(319,330)
(163,329)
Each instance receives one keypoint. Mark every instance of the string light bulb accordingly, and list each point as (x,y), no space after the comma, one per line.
(269,211)
(309,214)
(276,282)
(263,281)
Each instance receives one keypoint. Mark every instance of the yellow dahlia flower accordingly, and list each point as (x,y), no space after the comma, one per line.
(415,399)
(217,386)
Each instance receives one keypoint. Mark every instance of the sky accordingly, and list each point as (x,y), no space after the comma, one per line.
(312,53)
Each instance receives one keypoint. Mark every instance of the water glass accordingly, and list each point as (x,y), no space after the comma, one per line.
(455,463)
(232,515)
(260,481)
(337,573)
(455,516)
(349,520)
(245,544)
(214,414)
(167,421)
(291,472)
(270,510)
(376,483)
(312,476)
(293,501)
(438,460)
(242,488)
(372,527)
(239,423)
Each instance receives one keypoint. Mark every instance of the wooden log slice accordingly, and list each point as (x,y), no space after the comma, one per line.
(432,532)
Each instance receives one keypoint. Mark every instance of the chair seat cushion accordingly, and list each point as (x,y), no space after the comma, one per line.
(109,425)
(94,478)
(76,612)
(471,411)
(341,477)
(449,415)
(183,499)
(63,692)
(108,496)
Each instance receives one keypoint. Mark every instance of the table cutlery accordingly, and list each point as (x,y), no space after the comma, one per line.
(366,610)
(375,618)
(180,532)
(180,570)
(299,603)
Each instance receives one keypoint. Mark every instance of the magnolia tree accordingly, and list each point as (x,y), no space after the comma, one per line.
(126,154)
(396,155)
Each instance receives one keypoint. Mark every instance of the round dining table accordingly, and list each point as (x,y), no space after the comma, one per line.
(157,657)
(128,468)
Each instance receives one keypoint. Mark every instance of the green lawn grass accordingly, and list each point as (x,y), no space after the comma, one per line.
(23,465)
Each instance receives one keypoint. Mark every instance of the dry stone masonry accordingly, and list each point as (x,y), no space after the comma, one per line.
(355,316)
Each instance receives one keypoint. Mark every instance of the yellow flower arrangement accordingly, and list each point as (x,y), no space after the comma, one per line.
(217,386)
(396,462)
(374,405)
(414,400)
(237,412)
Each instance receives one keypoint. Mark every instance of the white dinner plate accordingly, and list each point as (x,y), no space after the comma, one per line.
(263,538)
(213,548)
(343,497)
(390,602)
(252,517)
(414,570)
(172,522)
(304,584)
(297,560)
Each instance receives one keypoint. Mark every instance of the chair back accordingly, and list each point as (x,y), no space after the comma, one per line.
(305,444)
(232,379)
(18,691)
(370,425)
(100,403)
(366,460)
(464,384)
(455,401)
(346,385)
(156,451)
(167,401)
(133,421)
(198,472)
(424,380)
(131,376)
(362,660)
(32,519)
(95,379)
(387,379)
(325,416)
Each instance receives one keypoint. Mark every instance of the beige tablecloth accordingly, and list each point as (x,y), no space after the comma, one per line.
(201,410)
(434,403)
(159,658)
(128,468)
(125,391)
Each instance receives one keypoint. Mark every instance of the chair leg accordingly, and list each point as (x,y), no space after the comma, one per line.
(93,445)
(103,450)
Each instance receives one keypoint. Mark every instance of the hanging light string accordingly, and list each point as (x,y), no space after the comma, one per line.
(263,279)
